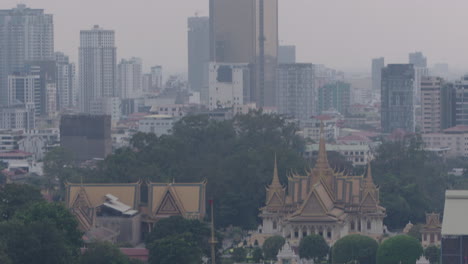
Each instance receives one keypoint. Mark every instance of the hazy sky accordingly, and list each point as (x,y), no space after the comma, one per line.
(344,34)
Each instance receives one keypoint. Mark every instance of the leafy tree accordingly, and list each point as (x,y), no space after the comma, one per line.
(103,253)
(313,247)
(38,242)
(355,248)
(239,254)
(399,249)
(175,249)
(257,254)
(272,246)
(432,253)
(58,165)
(14,197)
(59,216)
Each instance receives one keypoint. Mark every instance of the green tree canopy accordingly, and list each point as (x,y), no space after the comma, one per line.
(359,248)
(399,249)
(257,254)
(175,249)
(103,253)
(313,247)
(14,197)
(272,246)
(239,254)
(432,253)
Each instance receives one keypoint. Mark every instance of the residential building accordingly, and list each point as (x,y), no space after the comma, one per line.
(9,139)
(198,52)
(286,54)
(431,104)
(295,90)
(461,101)
(156,78)
(26,34)
(46,70)
(377,65)
(397,98)
(246,31)
(24,89)
(86,136)
(323,202)
(98,67)
(229,85)
(67,86)
(312,128)
(336,95)
(453,140)
(157,124)
(17,117)
(130,78)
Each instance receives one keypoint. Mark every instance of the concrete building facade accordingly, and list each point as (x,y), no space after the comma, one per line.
(198,51)
(431,104)
(98,67)
(397,98)
(296,95)
(66,81)
(130,78)
(26,34)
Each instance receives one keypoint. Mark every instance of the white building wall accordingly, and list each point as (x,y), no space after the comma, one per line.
(229,92)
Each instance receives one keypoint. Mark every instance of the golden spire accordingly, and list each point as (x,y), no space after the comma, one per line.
(369,182)
(275,183)
(322,160)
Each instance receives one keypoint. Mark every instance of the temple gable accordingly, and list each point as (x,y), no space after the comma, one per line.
(169,205)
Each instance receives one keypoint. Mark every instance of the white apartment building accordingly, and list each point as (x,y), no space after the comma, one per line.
(98,67)
(453,142)
(130,78)
(229,85)
(358,155)
(157,124)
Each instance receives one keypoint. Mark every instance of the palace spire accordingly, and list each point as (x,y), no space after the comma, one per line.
(322,160)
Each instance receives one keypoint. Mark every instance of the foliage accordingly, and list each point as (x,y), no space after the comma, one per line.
(358,248)
(38,242)
(432,253)
(178,231)
(239,254)
(103,253)
(57,165)
(313,247)
(272,246)
(14,197)
(399,249)
(412,181)
(257,255)
(57,215)
(175,249)
(415,231)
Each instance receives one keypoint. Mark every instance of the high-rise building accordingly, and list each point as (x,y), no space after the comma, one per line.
(397,98)
(17,117)
(46,70)
(287,54)
(156,78)
(146,82)
(130,78)
(418,59)
(334,96)
(98,69)
(198,51)
(229,85)
(295,90)
(246,31)
(447,105)
(67,92)
(461,101)
(25,35)
(431,104)
(377,65)
(23,89)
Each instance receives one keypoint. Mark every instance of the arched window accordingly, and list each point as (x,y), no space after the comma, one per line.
(369,225)
(329,233)
(353,226)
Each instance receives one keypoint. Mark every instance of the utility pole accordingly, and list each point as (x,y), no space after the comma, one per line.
(213,241)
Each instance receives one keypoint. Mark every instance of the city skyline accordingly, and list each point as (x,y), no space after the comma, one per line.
(347,40)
